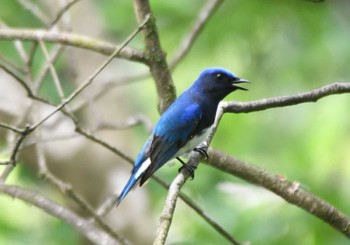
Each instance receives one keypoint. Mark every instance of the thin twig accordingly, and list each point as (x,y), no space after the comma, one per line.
(21,52)
(52,69)
(9,63)
(32,53)
(202,19)
(111,84)
(102,143)
(91,78)
(55,53)
(14,129)
(62,12)
(18,79)
(34,9)
(127,123)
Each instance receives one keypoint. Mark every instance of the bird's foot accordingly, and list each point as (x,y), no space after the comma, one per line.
(190,168)
(202,151)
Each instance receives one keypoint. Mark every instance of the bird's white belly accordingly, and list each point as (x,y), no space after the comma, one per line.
(195,141)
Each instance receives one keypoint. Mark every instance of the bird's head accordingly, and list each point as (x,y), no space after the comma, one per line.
(218,82)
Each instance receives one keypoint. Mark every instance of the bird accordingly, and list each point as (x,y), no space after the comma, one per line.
(184,125)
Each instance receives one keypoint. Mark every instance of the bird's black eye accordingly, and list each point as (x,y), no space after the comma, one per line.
(219,76)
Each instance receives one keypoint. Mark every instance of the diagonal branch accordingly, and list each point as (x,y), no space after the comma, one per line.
(62,12)
(203,17)
(290,191)
(89,229)
(10,127)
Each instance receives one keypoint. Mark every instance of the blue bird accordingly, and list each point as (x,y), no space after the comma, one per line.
(184,125)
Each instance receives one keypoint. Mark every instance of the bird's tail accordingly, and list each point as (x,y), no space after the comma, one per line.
(137,172)
(127,188)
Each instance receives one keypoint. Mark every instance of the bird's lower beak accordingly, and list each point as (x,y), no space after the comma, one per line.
(239,80)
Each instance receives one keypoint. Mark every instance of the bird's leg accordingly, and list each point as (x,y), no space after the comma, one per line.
(189,167)
(202,151)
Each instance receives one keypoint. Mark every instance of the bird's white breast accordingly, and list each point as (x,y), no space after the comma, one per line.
(195,141)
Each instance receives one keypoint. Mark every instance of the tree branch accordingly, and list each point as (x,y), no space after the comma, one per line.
(289,191)
(62,12)
(14,153)
(156,56)
(74,40)
(311,96)
(35,10)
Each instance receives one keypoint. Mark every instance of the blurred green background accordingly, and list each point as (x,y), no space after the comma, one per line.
(283,47)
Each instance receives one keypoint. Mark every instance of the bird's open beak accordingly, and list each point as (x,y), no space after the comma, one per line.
(237,81)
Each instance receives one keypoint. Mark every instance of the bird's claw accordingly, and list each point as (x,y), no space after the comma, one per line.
(202,151)
(190,168)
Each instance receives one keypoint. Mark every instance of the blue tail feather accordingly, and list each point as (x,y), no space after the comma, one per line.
(137,172)
(127,188)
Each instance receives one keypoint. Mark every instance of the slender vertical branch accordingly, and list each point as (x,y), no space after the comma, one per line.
(156,57)
(174,192)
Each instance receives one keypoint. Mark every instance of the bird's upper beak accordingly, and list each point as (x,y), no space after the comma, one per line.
(237,81)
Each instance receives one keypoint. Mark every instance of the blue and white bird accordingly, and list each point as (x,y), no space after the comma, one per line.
(184,125)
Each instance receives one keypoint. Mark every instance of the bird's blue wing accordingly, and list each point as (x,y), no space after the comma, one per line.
(174,129)
(176,126)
